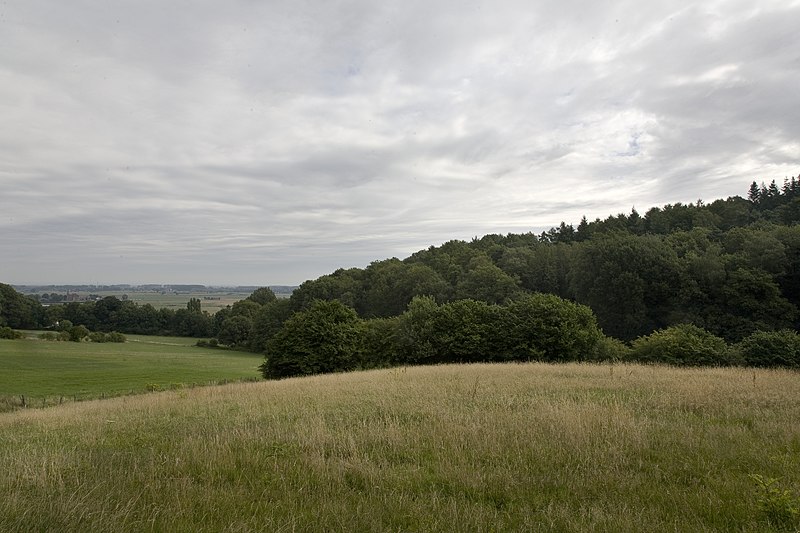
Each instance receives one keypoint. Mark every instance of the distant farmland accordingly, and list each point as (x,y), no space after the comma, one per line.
(212,298)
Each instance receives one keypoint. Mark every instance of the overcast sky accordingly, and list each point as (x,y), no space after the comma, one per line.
(269,142)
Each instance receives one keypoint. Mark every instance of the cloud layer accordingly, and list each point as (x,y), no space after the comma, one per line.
(271,142)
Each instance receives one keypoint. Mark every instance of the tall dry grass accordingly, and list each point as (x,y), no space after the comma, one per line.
(521,447)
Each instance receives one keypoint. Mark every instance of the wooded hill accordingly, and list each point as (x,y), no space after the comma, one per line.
(731,267)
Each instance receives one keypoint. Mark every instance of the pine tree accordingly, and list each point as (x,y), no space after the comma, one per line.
(754,194)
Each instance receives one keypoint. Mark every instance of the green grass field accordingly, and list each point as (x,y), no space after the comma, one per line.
(516,447)
(57,371)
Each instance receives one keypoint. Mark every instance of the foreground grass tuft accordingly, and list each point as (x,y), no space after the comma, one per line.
(528,447)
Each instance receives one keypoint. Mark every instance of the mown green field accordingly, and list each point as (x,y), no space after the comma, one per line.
(515,447)
(52,372)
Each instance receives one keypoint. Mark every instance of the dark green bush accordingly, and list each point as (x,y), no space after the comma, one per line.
(115,336)
(549,328)
(78,333)
(683,345)
(8,333)
(770,349)
(326,337)
(610,349)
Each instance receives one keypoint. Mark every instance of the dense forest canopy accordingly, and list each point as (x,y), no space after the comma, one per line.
(730,268)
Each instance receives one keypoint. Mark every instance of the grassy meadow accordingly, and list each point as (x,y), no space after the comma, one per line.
(52,372)
(515,447)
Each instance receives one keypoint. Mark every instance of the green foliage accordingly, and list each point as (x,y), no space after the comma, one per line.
(8,333)
(609,349)
(630,282)
(48,336)
(779,506)
(343,285)
(326,337)
(210,343)
(194,306)
(112,336)
(467,331)
(17,311)
(267,322)
(486,282)
(78,333)
(115,336)
(549,328)
(236,331)
(415,332)
(684,345)
(770,349)
(380,342)
(539,326)
(262,295)
(389,286)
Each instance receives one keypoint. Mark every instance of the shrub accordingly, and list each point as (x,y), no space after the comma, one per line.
(770,348)
(779,506)
(210,343)
(8,333)
(48,336)
(116,336)
(683,345)
(97,337)
(610,349)
(78,333)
